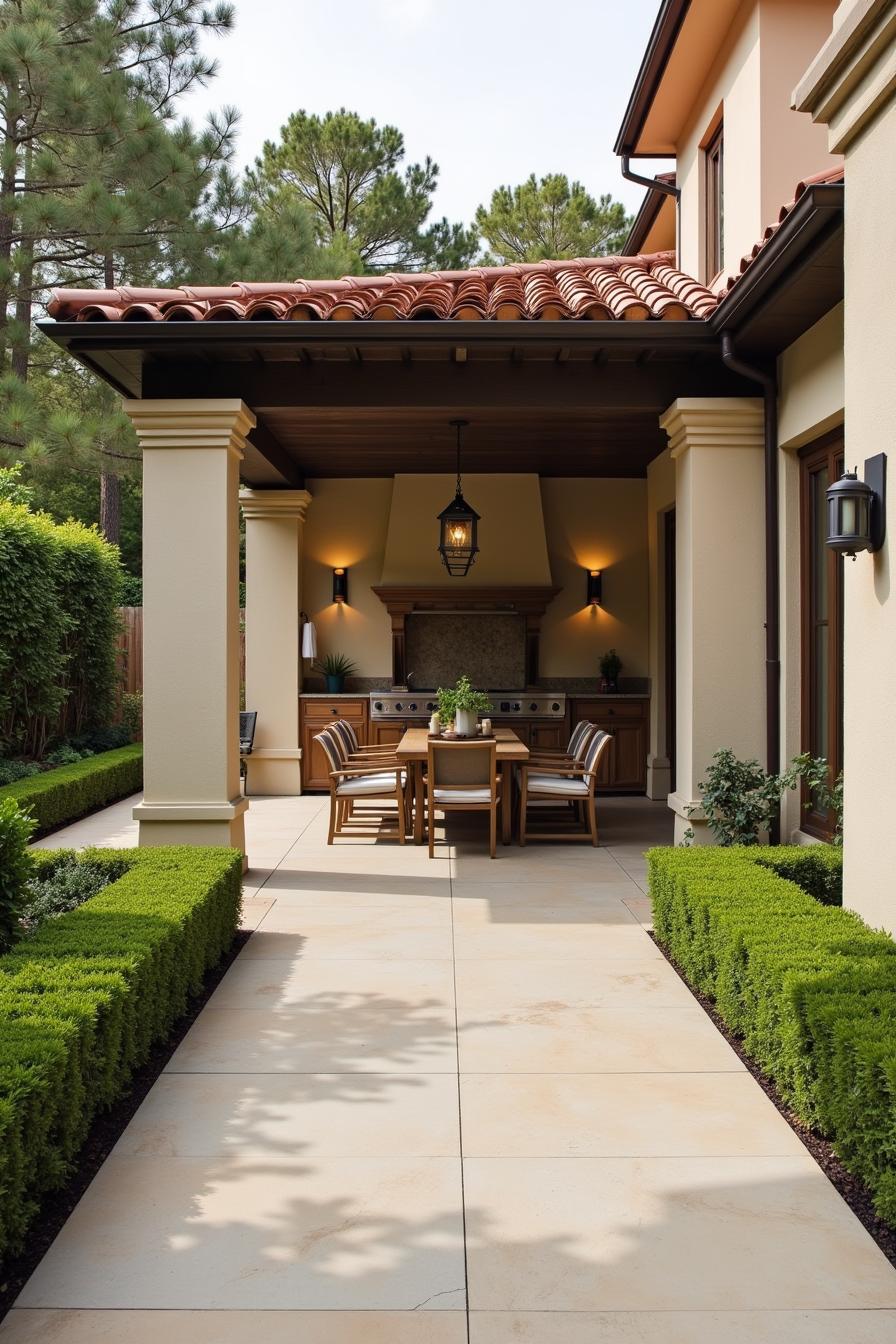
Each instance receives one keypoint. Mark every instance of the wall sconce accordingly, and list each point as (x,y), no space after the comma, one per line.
(595,587)
(857,509)
(340,585)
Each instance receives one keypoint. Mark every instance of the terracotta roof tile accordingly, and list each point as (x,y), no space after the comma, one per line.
(621,288)
(830,176)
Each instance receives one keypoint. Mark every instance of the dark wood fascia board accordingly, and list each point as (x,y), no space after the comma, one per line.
(813,222)
(659,48)
(88,338)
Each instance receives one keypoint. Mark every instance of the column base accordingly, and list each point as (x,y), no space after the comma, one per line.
(274,771)
(690,822)
(193,823)
(659,777)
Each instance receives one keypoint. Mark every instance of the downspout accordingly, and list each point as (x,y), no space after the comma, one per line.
(769,385)
(654,183)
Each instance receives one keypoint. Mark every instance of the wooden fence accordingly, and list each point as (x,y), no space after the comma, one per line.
(130,650)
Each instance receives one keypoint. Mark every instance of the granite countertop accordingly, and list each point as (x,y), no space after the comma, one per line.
(334,695)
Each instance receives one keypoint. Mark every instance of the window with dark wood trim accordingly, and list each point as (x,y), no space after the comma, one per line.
(822,622)
(715,203)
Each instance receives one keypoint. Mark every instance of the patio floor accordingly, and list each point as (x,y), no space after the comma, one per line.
(451,1100)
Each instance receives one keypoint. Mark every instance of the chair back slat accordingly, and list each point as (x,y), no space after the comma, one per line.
(578,742)
(596,748)
(345,737)
(331,748)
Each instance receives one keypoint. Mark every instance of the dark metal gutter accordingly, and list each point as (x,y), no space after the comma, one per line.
(767,380)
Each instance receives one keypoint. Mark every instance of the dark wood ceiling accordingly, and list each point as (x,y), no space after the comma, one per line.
(373,399)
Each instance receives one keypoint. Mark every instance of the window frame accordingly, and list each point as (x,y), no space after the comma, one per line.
(714,200)
(825,453)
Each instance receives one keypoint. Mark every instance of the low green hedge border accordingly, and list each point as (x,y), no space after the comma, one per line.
(60,796)
(84,1000)
(810,989)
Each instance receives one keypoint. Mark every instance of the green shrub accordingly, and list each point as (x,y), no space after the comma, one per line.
(84,1000)
(810,989)
(10,771)
(59,594)
(62,884)
(59,796)
(16,866)
(132,713)
(131,590)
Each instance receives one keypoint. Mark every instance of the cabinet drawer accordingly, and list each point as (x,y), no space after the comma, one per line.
(598,710)
(325,711)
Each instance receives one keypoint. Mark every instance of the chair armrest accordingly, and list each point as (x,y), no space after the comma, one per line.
(349,774)
(567,771)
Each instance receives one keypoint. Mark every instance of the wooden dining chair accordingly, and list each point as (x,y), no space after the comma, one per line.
(350,782)
(462,777)
(573,751)
(566,782)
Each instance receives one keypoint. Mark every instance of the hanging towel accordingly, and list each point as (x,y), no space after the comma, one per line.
(309,640)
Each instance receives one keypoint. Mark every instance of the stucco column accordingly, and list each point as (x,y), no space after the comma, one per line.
(717,447)
(851,87)
(274,525)
(191,455)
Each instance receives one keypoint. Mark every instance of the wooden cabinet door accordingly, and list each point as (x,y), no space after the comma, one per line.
(550,736)
(628,756)
(386,734)
(315,766)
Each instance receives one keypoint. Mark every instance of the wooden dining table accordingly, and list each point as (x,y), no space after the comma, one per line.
(413,749)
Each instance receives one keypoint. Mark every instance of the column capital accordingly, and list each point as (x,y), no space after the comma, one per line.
(275,503)
(714,422)
(852,80)
(191,422)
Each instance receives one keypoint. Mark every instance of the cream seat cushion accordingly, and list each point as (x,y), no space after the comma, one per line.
(364,785)
(471,795)
(559,784)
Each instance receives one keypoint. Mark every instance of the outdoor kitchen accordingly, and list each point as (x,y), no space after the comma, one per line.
(559,583)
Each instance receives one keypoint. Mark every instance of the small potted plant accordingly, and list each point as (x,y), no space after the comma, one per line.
(334,668)
(610,667)
(463,705)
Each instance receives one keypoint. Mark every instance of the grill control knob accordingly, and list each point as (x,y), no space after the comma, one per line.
(516,706)
(412,706)
(505,706)
(377,704)
(556,706)
(431,705)
(397,705)
(534,706)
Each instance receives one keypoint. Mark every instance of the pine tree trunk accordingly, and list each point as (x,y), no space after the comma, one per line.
(21,350)
(7,214)
(110,506)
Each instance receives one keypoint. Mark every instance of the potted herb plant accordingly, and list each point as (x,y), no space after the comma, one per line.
(462,704)
(334,668)
(610,667)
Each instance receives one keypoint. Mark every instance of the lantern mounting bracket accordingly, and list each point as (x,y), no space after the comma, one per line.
(876,479)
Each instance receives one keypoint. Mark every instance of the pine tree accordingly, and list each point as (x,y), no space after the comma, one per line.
(550,220)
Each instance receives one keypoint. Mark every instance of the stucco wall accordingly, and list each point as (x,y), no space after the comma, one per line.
(768,148)
(587,522)
(869,599)
(810,403)
(595,524)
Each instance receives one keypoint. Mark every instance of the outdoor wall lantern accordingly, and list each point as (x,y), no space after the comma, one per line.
(856,509)
(340,585)
(595,587)
(458,525)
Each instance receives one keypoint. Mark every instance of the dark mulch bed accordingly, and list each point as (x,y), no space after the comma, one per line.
(849,1187)
(106,1131)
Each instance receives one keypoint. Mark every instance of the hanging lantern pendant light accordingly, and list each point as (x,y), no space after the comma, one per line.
(459,525)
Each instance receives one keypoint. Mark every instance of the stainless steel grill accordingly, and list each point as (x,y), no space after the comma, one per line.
(505,704)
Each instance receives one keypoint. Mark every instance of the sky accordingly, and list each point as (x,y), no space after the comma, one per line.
(492,90)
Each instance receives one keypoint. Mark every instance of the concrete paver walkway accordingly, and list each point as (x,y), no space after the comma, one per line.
(451,1100)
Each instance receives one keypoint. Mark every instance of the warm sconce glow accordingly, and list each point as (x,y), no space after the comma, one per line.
(340,585)
(595,587)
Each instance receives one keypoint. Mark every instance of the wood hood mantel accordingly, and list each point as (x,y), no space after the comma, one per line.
(402,600)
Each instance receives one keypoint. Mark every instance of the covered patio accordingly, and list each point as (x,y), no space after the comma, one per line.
(575,377)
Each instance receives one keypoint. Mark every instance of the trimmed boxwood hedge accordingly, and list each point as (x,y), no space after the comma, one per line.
(810,989)
(57,797)
(84,1000)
